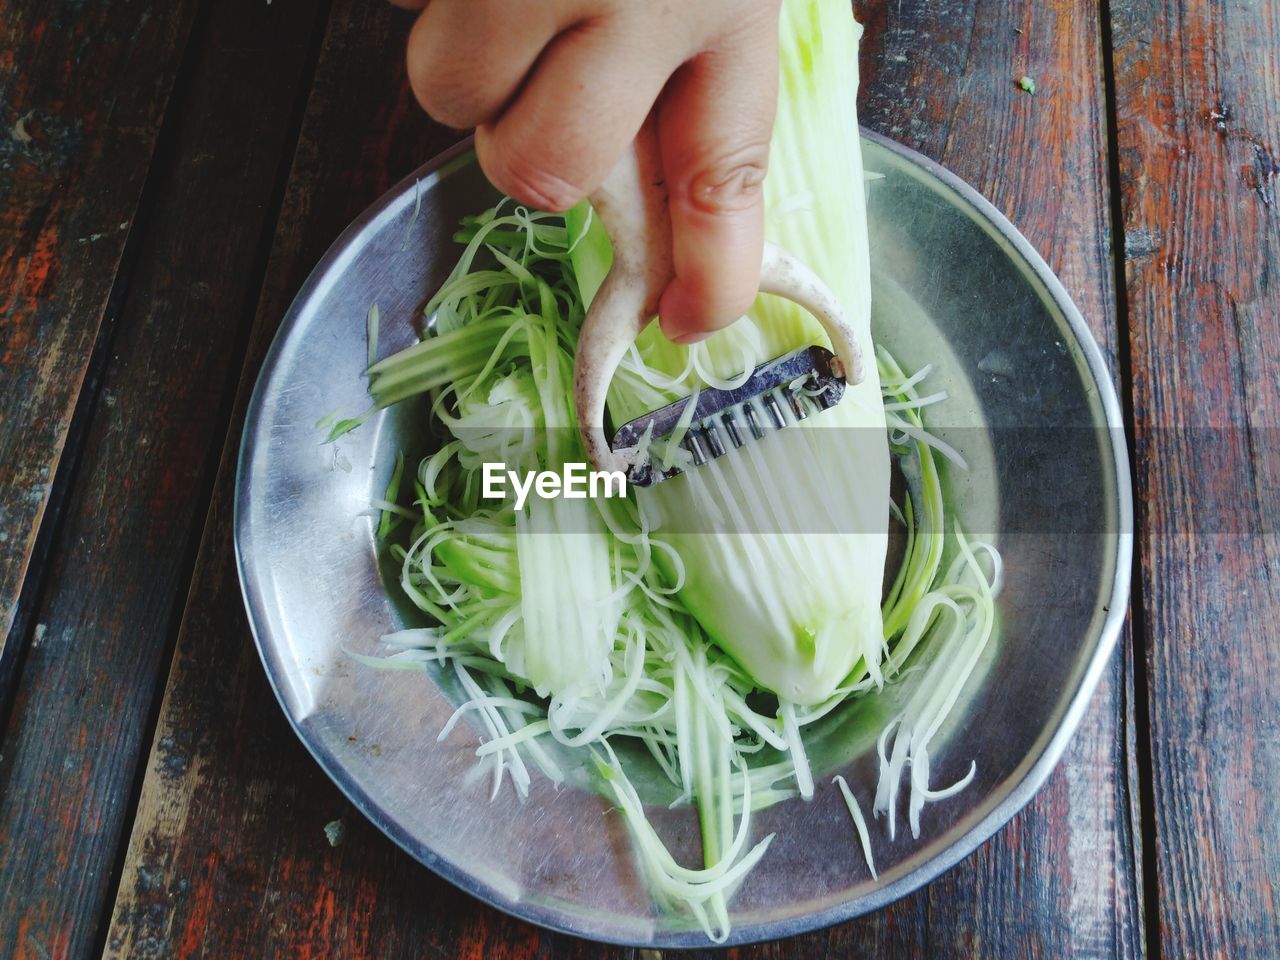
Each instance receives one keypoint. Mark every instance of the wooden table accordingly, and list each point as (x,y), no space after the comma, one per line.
(170,173)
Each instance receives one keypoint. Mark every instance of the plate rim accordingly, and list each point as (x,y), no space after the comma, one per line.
(1036,769)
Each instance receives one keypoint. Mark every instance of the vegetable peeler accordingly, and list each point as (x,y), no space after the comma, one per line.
(632,205)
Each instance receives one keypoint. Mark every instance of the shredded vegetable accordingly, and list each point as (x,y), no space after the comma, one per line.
(712,618)
(564,623)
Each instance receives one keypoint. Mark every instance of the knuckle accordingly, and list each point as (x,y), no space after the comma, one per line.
(444,108)
(730,186)
(440,83)
(456,112)
(442,100)
(527,180)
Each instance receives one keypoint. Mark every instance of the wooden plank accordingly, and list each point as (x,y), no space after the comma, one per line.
(1198,113)
(1063,879)
(228,855)
(83,88)
(82,714)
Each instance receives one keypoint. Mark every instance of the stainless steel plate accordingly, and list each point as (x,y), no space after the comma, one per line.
(1031,405)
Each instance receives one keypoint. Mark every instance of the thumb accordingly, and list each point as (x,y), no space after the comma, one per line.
(715,121)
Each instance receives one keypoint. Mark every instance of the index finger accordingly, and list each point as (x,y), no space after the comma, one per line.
(715,122)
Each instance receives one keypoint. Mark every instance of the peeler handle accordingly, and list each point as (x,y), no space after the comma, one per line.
(632,204)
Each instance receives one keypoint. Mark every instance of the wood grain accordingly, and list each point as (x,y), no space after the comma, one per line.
(82,714)
(1064,878)
(228,855)
(83,88)
(1198,115)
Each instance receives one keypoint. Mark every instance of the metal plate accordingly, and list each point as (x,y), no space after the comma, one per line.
(1031,405)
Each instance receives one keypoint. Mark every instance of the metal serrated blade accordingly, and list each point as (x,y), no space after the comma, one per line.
(778,393)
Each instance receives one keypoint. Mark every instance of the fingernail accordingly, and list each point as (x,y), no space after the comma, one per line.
(690,337)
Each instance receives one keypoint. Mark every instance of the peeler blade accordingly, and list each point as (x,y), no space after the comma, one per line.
(777,394)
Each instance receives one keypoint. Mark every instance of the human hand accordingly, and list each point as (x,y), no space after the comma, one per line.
(557,90)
